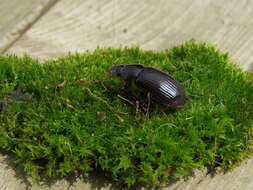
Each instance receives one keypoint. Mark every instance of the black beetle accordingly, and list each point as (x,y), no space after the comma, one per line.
(162,88)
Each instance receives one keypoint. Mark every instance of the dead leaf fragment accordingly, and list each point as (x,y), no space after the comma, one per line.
(68,104)
(61,85)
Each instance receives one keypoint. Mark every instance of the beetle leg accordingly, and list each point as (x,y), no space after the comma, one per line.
(143,97)
(148,107)
(127,84)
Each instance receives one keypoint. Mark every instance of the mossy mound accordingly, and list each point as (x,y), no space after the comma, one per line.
(65,116)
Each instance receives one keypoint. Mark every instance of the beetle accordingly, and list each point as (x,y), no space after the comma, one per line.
(161,87)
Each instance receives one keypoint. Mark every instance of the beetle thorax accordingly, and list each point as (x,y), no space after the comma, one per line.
(130,73)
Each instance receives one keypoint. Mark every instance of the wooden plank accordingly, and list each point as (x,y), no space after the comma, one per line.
(17,16)
(76,25)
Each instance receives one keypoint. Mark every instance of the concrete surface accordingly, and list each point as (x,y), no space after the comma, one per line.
(51,28)
(13,12)
(17,16)
(77,25)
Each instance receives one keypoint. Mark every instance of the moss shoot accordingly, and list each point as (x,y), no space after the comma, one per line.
(65,116)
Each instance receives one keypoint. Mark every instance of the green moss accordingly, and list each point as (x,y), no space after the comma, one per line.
(74,120)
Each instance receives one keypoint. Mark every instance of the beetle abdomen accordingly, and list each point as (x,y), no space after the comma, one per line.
(162,88)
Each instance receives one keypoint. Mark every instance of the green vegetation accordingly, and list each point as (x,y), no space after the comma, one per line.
(65,116)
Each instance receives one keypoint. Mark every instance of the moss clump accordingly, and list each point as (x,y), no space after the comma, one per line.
(65,116)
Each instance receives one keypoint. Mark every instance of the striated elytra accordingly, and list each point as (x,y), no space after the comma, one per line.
(162,88)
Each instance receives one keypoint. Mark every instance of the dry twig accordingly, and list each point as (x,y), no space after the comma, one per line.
(128,101)
(107,104)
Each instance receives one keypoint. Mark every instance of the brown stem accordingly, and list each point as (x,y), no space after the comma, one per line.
(128,101)
(107,104)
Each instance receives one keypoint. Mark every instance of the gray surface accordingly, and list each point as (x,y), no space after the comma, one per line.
(77,25)
(53,30)
(17,16)
(13,12)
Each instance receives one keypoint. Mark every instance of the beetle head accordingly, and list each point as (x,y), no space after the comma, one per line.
(116,70)
(126,72)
